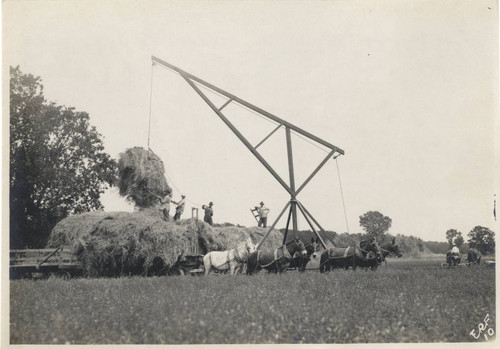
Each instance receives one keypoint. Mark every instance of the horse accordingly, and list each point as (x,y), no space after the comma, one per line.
(352,256)
(300,261)
(473,256)
(384,251)
(231,260)
(275,261)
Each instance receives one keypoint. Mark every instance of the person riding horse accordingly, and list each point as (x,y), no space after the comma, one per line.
(453,256)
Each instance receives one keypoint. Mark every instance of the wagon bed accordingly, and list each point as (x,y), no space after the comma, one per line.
(60,261)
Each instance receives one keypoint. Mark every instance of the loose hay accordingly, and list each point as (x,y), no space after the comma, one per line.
(141,177)
(141,243)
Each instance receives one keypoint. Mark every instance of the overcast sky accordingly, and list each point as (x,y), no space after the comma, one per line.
(408,89)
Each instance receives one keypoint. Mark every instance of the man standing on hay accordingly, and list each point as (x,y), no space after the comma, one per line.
(263,211)
(209,212)
(180,208)
(165,206)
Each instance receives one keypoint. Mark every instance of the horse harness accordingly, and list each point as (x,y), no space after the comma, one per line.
(228,260)
(346,255)
(275,260)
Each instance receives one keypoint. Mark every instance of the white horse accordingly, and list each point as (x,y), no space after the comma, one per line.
(231,260)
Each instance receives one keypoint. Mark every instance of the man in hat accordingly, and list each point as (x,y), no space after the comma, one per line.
(263,211)
(209,212)
(453,255)
(179,209)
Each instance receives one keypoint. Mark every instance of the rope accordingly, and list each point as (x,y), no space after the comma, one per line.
(150,102)
(149,132)
(342,194)
(179,191)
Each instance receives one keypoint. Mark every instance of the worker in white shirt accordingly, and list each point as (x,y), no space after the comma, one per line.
(263,211)
(165,206)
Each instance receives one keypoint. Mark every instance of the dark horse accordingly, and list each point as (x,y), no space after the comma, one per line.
(300,261)
(384,251)
(473,256)
(364,255)
(275,261)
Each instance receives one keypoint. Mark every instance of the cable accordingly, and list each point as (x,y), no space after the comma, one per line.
(149,133)
(179,191)
(150,102)
(342,194)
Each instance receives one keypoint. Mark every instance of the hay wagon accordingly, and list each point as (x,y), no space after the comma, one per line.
(41,263)
(188,264)
(190,259)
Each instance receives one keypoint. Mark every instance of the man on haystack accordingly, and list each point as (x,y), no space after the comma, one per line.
(180,207)
(263,211)
(165,205)
(209,212)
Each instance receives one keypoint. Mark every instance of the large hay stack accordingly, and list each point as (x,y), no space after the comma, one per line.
(141,243)
(141,177)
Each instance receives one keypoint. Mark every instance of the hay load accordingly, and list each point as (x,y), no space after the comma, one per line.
(141,243)
(141,177)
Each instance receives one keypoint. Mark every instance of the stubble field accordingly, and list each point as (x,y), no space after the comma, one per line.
(407,301)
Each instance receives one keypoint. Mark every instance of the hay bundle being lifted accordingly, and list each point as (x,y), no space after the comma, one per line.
(141,177)
(141,243)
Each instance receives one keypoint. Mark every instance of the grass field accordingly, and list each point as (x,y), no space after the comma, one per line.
(407,301)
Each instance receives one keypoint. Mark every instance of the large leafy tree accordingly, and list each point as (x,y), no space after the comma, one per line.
(454,237)
(375,223)
(57,162)
(483,239)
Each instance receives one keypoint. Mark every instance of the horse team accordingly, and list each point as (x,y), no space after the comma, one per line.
(295,254)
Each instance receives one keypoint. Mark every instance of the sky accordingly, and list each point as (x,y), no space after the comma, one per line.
(408,89)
